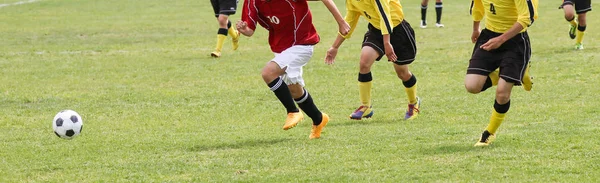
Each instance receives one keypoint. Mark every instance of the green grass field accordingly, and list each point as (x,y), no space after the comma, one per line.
(158,108)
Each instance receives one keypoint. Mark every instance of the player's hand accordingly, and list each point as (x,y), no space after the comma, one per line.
(330,57)
(492,44)
(475,35)
(243,28)
(343,28)
(389,52)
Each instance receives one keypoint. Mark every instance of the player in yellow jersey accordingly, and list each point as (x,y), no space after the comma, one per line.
(503,44)
(223,9)
(581,8)
(388,34)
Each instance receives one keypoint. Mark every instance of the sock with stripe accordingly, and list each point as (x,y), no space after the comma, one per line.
(221,35)
(282,92)
(497,116)
(305,102)
(580,33)
(364,88)
(411,89)
(438,12)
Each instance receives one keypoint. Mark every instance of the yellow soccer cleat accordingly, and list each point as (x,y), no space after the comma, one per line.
(315,132)
(293,118)
(527,79)
(485,140)
(215,54)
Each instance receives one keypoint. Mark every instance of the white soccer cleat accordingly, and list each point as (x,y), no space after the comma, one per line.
(439,25)
(423,24)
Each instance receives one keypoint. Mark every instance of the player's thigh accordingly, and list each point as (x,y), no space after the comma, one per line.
(368,55)
(403,41)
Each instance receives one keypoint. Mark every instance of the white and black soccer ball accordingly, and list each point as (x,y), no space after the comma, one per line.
(67,124)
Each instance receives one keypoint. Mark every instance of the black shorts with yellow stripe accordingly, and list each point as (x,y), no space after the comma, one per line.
(581,6)
(402,39)
(224,7)
(511,57)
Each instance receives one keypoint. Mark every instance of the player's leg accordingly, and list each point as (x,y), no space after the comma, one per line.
(221,34)
(580,30)
(569,10)
(228,7)
(410,87)
(482,72)
(368,55)
(438,13)
(299,56)
(403,40)
(501,106)
(271,75)
(424,13)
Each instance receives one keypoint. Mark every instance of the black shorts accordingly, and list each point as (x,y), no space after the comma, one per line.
(581,6)
(224,7)
(511,57)
(402,39)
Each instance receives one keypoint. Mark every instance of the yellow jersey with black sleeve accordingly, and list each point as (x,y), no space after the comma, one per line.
(501,15)
(382,14)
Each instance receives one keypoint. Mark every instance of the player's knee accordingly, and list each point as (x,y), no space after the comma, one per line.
(269,73)
(473,89)
(502,97)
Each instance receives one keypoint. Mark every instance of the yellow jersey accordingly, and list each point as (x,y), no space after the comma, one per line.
(382,14)
(501,15)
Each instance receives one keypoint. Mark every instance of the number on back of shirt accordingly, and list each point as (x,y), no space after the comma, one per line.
(492,9)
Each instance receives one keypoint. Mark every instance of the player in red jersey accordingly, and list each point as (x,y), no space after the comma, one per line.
(292,37)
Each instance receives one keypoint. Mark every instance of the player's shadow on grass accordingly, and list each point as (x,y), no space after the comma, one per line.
(237,144)
(450,149)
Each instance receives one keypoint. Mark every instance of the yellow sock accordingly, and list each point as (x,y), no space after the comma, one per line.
(220,40)
(495,121)
(412,94)
(573,23)
(364,91)
(232,32)
(579,38)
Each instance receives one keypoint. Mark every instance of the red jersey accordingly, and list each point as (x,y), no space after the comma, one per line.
(289,22)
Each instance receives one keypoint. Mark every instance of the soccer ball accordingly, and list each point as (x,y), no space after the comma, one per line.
(67,124)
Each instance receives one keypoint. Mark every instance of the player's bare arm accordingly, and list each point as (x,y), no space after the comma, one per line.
(243,28)
(498,41)
(389,49)
(343,26)
(476,31)
(332,52)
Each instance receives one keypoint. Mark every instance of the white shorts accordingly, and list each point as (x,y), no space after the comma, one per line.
(294,58)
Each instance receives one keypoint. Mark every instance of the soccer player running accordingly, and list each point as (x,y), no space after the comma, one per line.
(291,37)
(581,8)
(388,34)
(223,9)
(503,44)
(438,13)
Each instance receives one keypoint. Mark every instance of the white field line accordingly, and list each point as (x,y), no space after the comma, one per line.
(17,3)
